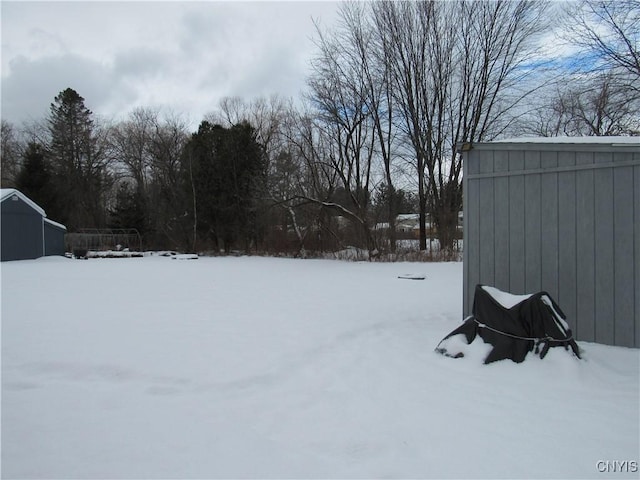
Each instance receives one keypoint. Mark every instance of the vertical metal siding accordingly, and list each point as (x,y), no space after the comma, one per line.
(564,218)
(604,246)
(501,210)
(567,246)
(516,227)
(532,223)
(585,253)
(623,255)
(21,231)
(636,223)
(53,239)
(549,231)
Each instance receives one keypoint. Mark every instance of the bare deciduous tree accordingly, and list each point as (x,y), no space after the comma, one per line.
(130,144)
(340,95)
(310,179)
(10,153)
(168,173)
(597,106)
(363,46)
(610,32)
(600,93)
(457,69)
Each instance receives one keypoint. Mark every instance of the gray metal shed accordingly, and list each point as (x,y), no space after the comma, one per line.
(54,238)
(25,231)
(560,215)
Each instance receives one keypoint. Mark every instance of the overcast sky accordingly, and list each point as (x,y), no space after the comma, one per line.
(182,56)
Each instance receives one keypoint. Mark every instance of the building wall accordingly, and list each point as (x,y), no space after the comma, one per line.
(22,231)
(53,239)
(563,218)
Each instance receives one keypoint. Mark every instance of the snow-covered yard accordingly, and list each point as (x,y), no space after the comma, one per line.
(263,368)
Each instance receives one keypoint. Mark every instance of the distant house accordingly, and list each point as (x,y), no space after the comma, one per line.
(26,232)
(405,223)
(408,223)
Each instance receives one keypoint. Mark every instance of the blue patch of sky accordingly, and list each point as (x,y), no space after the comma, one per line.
(578,62)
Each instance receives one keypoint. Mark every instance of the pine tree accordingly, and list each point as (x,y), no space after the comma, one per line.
(226,170)
(129,210)
(79,165)
(34,179)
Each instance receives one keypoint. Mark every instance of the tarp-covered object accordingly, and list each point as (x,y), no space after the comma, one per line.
(513,324)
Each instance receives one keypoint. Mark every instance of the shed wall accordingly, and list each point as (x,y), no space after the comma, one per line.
(53,239)
(563,218)
(22,231)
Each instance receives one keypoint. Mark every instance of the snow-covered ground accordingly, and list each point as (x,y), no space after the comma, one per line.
(274,368)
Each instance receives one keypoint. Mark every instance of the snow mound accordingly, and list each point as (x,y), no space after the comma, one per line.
(113,254)
(456,346)
(185,256)
(507,300)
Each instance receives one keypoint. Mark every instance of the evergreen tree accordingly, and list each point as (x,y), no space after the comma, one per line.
(129,210)
(34,179)
(226,169)
(205,180)
(245,164)
(79,165)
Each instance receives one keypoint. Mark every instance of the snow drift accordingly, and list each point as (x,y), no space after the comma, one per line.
(274,368)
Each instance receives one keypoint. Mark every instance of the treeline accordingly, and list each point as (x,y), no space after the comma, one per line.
(393,89)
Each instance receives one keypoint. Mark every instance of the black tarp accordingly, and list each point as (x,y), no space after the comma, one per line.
(534,323)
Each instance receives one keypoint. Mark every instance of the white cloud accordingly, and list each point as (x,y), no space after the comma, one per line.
(32,85)
(182,55)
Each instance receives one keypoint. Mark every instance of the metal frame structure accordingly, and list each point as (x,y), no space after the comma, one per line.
(101,239)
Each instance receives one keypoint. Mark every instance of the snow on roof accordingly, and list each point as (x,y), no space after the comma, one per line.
(6,193)
(407,216)
(55,224)
(581,140)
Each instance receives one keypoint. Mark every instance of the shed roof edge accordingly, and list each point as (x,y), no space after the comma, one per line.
(7,193)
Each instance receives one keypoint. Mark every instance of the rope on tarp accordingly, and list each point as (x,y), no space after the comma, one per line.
(545,341)
(518,337)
